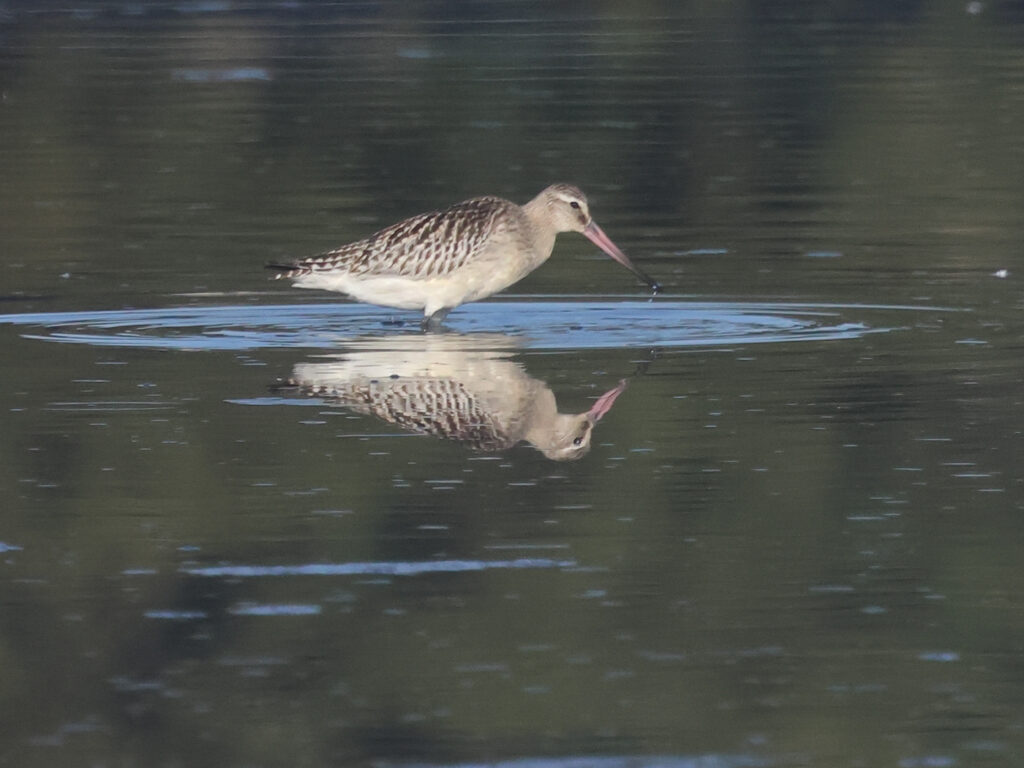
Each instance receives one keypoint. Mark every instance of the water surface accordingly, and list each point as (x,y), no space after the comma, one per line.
(235,534)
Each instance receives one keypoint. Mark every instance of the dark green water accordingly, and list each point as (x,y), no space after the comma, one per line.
(792,539)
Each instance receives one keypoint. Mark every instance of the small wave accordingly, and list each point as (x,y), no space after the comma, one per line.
(384,568)
(530,325)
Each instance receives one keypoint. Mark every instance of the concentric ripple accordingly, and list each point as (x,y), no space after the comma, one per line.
(537,325)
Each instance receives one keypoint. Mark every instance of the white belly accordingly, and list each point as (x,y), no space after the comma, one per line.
(471,283)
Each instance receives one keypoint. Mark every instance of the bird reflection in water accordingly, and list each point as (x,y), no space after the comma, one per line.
(456,387)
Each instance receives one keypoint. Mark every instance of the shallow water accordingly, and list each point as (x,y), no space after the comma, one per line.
(527,325)
(251,526)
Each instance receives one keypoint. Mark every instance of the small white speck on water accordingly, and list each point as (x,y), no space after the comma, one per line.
(941,656)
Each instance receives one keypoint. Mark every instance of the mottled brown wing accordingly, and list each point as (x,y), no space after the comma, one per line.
(441,407)
(431,244)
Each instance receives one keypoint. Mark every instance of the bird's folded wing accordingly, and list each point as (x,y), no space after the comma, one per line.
(428,245)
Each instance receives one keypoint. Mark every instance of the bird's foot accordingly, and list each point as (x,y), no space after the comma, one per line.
(435,322)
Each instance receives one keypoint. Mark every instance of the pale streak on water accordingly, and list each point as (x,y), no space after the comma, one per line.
(533,325)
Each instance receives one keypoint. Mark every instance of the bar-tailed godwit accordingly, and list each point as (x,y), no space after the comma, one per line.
(436,261)
(453,389)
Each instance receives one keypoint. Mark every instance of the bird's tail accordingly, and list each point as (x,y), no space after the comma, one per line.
(287,270)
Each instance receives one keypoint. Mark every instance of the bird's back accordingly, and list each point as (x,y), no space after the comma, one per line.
(431,244)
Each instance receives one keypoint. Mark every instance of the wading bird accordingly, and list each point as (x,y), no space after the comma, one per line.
(436,261)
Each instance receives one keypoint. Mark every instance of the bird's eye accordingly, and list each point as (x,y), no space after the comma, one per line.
(575,205)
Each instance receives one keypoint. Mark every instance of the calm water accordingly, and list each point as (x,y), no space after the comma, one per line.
(771,517)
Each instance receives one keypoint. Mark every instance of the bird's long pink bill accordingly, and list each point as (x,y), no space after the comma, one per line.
(597,236)
(605,402)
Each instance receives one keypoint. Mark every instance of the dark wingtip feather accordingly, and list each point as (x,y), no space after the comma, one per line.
(285,270)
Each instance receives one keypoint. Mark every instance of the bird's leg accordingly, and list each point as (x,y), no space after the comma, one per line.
(435,321)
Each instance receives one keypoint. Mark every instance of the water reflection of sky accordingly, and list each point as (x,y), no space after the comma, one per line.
(534,325)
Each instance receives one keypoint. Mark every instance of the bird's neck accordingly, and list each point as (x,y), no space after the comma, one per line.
(540,419)
(541,233)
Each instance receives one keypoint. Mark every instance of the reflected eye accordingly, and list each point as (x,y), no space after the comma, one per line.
(575,205)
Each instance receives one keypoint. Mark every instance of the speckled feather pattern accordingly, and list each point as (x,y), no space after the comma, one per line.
(443,408)
(428,245)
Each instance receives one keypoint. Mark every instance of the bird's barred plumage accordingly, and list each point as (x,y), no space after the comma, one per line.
(440,407)
(428,245)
